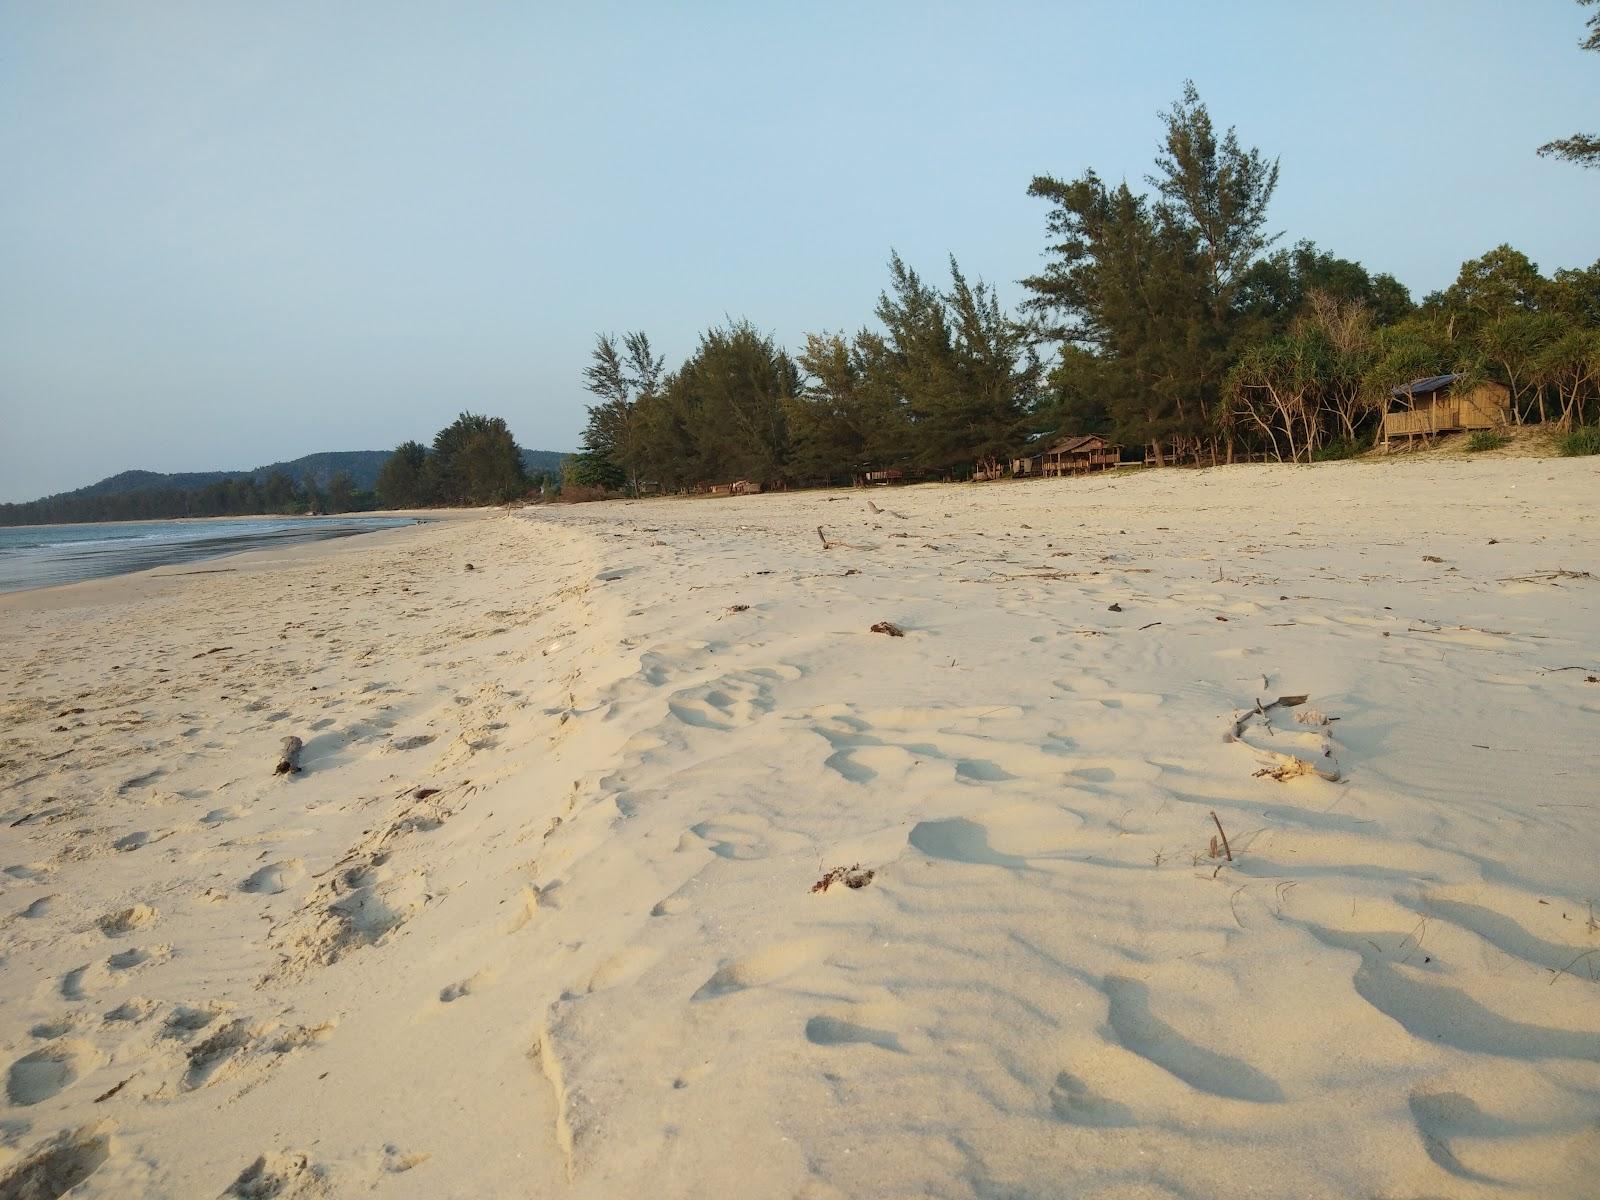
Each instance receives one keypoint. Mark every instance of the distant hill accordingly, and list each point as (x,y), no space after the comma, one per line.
(361,465)
(135,495)
(543,460)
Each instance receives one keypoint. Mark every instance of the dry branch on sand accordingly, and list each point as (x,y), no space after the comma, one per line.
(890,628)
(1281,766)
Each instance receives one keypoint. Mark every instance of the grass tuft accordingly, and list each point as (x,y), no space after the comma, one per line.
(1485,439)
(1585,439)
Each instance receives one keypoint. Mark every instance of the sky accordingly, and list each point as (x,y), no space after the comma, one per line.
(235,233)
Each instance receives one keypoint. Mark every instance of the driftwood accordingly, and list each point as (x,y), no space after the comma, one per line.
(1283,767)
(1261,710)
(289,757)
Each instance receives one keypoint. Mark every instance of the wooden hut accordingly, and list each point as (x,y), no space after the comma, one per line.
(879,478)
(1028,465)
(1080,455)
(1438,405)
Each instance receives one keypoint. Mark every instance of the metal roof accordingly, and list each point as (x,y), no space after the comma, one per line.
(1424,387)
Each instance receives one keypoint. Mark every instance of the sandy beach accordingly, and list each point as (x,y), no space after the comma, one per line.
(541,915)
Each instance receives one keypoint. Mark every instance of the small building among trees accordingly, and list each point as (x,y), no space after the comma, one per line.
(1079,456)
(1445,404)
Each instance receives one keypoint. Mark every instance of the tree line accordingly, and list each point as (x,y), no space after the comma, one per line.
(275,493)
(473,461)
(1170,318)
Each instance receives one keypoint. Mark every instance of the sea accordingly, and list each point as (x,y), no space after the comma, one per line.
(34,556)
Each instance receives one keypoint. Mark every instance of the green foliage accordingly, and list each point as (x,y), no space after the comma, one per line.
(1581,441)
(475,461)
(1155,286)
(1335,450)
(1168,316)
(1485,439)
(844,416)
(1278,288)
(402,482)
(625,382)
(588,470)
(341,495)
(1581,148)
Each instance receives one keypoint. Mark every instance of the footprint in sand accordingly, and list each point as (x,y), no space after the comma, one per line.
(80,982)
(832,1031)
(127,920)
(279,1177)
(669,905)
(1072,1101)
(42,1074)
(55,1167)
(1442,1117)
(274,877)
(622,967)
(138,956)
(764,967)
(216,1057)
(1205,1070)
(133,1010)
(185,1020)
(60,1027)
(469,985)
(957,839)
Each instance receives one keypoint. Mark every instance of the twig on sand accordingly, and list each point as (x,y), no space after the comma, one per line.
(1572,964)
(1152,625)
(1226,849)
(106,1095)
(1546,576)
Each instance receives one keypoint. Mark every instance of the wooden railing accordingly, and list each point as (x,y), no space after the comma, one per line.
(1433,419)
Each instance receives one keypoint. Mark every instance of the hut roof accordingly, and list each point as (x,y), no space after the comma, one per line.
(1068,445)
(1424,387)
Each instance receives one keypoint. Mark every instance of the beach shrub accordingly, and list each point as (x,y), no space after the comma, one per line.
(1585,439)
(1485,439)
(1335,450)
(581,493)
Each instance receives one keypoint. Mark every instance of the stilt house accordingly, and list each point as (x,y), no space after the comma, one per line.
(1439,405)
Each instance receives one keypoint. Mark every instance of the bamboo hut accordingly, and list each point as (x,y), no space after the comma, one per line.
(1438,405)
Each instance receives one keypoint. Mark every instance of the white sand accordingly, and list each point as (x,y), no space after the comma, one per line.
(592,965)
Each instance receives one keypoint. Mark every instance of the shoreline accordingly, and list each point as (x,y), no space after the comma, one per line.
(563,817)
(169,569)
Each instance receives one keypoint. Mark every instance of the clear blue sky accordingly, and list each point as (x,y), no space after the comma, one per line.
(238,232)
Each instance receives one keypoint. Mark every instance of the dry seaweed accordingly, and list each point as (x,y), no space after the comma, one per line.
(854,876)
